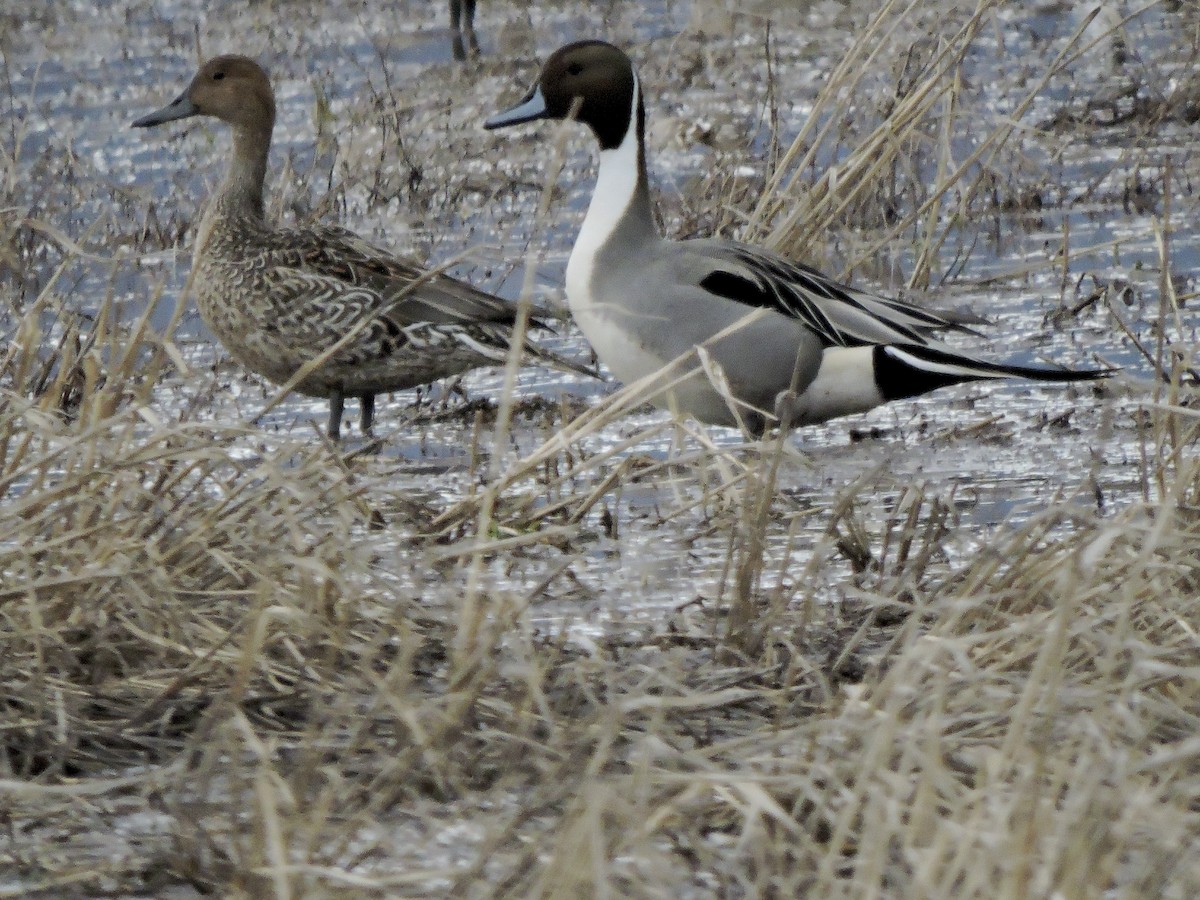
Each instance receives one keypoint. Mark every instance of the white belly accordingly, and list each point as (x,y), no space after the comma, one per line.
(618,343)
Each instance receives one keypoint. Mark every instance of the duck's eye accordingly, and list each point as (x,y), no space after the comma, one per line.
(217,76)
(575,69)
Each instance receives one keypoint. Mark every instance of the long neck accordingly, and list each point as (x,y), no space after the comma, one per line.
(621,201)
(242,191)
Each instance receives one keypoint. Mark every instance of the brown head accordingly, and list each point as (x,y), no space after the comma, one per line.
(234,89)
(594,81)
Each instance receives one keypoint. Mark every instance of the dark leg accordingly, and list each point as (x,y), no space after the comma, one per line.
(337,403)
(462,19)
(366,404)
(469,17)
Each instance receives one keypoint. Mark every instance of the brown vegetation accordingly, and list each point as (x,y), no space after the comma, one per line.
(240,661)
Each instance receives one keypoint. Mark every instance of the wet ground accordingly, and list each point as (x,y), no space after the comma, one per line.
(379,128)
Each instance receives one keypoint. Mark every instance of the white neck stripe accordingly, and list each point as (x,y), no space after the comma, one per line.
(616,184)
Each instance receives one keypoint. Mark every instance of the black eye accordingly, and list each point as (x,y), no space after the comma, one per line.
(575,68)
(217,76)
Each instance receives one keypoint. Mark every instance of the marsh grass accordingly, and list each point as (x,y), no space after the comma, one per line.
(242,663)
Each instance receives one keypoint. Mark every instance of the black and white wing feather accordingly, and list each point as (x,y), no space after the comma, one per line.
(839,315)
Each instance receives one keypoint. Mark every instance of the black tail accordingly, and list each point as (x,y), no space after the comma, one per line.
(909,370)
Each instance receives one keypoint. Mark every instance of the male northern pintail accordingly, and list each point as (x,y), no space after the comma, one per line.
(815,350)
(278,298)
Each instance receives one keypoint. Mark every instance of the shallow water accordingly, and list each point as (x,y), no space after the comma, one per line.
(353,78)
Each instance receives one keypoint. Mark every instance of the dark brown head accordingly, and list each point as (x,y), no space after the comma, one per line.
(596,76)
(234,89)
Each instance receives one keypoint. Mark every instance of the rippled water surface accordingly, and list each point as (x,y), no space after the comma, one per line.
(379,128)
(1061,250)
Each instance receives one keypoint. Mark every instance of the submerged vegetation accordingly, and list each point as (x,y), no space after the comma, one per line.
(548,643)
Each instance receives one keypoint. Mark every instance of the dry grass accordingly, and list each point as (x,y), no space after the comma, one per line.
(241,663)
(1022,726)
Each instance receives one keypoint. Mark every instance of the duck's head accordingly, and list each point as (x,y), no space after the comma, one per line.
(234,89)
(591,80)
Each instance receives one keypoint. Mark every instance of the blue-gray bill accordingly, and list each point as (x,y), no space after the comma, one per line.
(532,107)
(179,108)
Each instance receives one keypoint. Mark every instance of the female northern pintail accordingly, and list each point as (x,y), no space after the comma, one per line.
(278,298)
(815,350)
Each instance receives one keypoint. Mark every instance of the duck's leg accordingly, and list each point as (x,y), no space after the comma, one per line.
(462,22)
(366,403)
(456,38)
(337,404)
(469,16)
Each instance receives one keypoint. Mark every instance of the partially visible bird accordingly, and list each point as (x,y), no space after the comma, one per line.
(462,26)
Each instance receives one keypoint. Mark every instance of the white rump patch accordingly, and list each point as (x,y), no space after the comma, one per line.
(845,384)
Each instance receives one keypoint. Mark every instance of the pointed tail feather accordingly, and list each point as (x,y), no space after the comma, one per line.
(903,371)
(542,356)
(493,342)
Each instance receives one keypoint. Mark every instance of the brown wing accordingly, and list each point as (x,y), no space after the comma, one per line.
(339,254)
